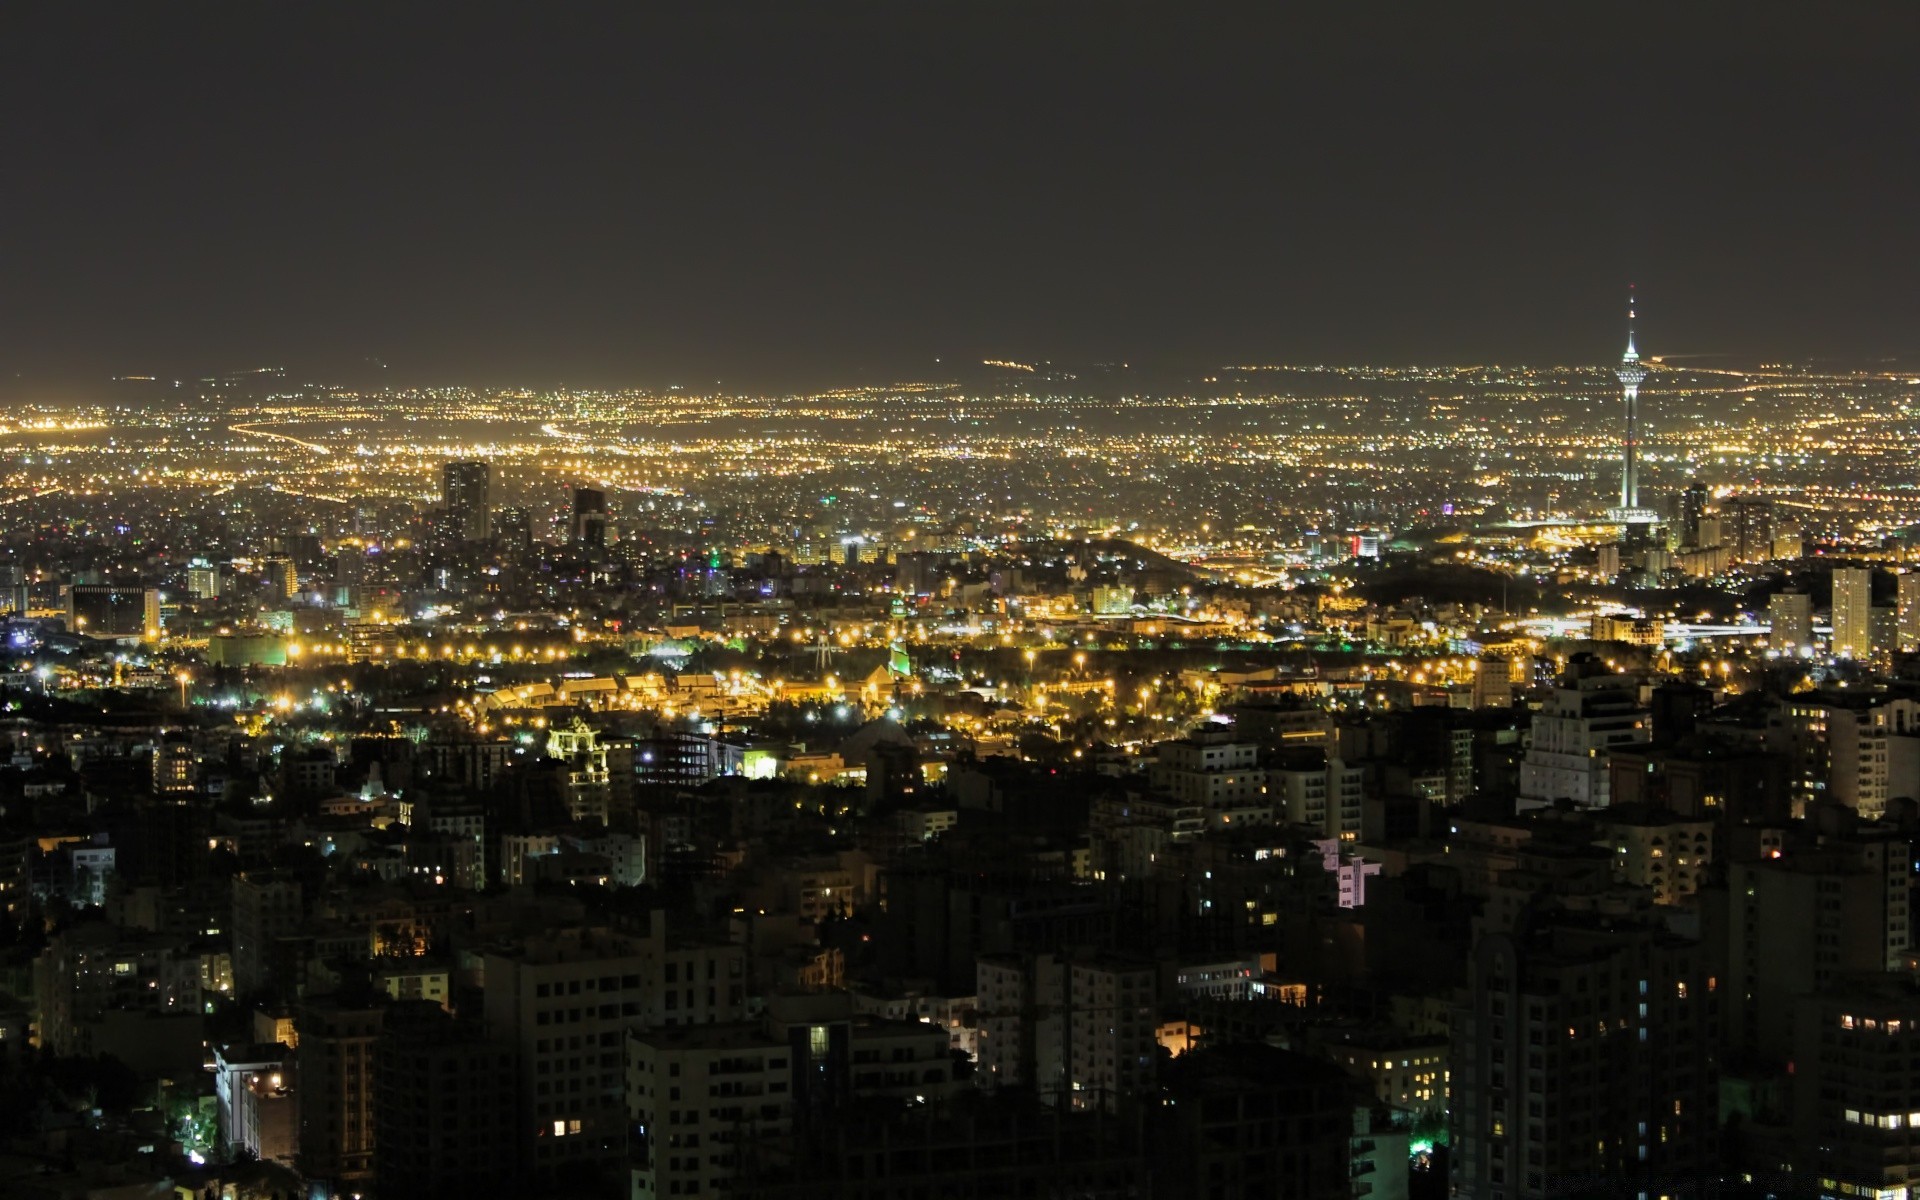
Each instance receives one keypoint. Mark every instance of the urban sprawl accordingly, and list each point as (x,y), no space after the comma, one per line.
(1292,781)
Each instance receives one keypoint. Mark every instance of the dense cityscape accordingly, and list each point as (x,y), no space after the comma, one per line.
(959,601)
(1303,781)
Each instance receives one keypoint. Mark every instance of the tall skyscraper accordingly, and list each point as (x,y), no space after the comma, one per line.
(1909,608)
(1693,506)
(588,530)
(464,492)
(282,576)
(1791,615)
(1853,612)
(335,1074)
(1747,525)
(1630,373)
(515,527)
(13,589)
(1584,1050)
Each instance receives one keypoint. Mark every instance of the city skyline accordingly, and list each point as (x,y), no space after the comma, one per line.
(865,601)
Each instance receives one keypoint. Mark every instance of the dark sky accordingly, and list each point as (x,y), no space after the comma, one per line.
(574,193)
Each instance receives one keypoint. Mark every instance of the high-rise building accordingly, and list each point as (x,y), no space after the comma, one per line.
(253,1084)
(1322,791)
(1251,1120)
(1797,922)
(1215,771)
(588,528)
(1883,623)
(703,1099)
(1584,1051)
(1747,527)
(1076,1034)
(1693,506)
(203,580)
(565,1001)
(443,1106)
(1870,754)
(1856,1096)
(1791,616)
(1492,682)
(1908,607)
(513,525)
(283,578)
(1111,1048)
(694,1093)
(175,766)
(589,786)
(265,908)
(1853,612)
(335,1060)
(111,611)
(93,979)
(1591,711)
(464,491)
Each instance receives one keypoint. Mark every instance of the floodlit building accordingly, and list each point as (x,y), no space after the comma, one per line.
(1853,613)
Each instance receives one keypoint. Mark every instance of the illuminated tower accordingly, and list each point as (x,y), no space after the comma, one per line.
(1630,373)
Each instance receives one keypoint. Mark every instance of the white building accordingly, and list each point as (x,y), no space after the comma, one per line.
(1327,796)
(1585,717)
(1079,1033)
(259,1111)
(1111,1032)
(565,1001)
(1213,771)
(693,1094)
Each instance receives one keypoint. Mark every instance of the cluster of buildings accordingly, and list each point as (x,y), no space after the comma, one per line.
(561,839)
(1568,921)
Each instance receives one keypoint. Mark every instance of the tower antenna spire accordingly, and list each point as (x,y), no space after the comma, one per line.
(1630,373)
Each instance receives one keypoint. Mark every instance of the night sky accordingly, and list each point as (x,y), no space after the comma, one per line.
(797,194)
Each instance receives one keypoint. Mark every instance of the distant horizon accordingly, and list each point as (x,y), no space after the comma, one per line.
(1139,369)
